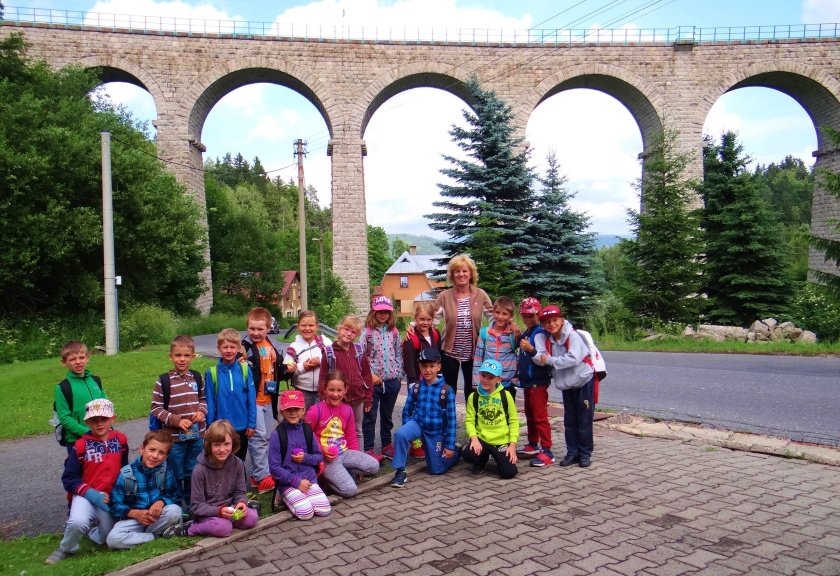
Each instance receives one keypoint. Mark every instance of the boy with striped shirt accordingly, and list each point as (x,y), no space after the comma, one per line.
(499,342)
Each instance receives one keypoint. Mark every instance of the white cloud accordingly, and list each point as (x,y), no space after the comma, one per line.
(246,100)
(175,9)
(820,11)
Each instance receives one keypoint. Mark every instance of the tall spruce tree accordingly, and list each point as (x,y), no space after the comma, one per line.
(560,267)
(663,278)
(485,211)
(830,181)
(745,276)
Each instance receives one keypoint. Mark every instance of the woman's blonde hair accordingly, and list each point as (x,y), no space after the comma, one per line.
(457,262)
(215,434)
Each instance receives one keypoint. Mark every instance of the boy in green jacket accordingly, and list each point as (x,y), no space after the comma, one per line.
(492,424)
(74,392)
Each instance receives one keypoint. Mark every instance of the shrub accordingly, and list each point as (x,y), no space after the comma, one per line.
(144,325)
(817,310)
(214,323)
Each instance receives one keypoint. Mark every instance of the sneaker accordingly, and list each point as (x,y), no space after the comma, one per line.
(378,457)
(177,529)
(478,467)
(399,478)
(263,486)
(416,450)
(57,557)
(544,458)
(529,450)
(388,451)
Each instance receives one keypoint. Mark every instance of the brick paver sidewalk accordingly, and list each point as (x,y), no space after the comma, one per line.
(646,506)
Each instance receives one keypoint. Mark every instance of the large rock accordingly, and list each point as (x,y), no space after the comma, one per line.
(808,337)
(760,327)
(787,328)
(771,323)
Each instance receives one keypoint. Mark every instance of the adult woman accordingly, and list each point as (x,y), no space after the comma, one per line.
(461,307)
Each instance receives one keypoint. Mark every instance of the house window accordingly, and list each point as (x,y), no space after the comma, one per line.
(403,281)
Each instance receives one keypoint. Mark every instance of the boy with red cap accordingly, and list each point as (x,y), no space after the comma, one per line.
(534,379)
(568,355)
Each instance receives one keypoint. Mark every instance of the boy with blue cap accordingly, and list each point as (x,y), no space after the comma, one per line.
(429,413)
(492,423)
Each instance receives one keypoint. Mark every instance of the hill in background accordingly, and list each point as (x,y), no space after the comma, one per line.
(428,245)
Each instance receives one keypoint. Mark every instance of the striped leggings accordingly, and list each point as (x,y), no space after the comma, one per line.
(304,505)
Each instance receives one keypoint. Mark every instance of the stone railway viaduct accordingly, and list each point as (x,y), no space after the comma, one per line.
(348,80)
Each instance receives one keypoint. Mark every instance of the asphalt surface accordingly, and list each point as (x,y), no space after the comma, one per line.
(793,397)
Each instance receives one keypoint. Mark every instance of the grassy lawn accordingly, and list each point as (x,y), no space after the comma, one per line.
(27,555)
(728,347)
(128,378)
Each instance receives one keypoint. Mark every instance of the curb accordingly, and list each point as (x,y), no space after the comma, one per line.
(744,442)
(166,560)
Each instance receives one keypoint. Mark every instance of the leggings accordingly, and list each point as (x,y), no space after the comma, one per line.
(304,505)
(450,367)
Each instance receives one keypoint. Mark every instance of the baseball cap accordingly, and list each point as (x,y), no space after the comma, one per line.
(382,303)
(550,312)
(99,408)
(491,367)
(291,399)
(530,306)
(429,355)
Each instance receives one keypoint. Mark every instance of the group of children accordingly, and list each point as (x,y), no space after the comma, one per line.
(294,419)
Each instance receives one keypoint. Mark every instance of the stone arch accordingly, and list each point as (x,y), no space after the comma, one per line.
(815,90)
(418,75)
(211,87)
(116,69)
(640,97)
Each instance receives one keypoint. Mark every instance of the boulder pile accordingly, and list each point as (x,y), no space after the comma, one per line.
(761,331)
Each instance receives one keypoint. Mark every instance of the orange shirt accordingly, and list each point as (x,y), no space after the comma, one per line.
(268,358)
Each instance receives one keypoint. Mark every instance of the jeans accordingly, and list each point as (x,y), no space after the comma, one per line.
(578,416)
(449,369)
(433,443)
(384,400)
(130,532)
(82,513)
(182,459)
(258,443)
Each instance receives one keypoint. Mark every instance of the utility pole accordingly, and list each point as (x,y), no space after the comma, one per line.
(111,327)
(300,152)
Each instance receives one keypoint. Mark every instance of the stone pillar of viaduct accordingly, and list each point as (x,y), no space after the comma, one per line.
(348,81)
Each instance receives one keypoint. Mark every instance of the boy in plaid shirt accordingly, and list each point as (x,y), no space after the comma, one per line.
(144,497)
(429,413)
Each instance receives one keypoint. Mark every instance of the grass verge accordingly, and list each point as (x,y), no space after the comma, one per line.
(729,347)
(128,378)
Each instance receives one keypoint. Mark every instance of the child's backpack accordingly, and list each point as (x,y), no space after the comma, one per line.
(444,391)
(165,387)
(130,480)
(319,343)
(283,436)
(414,338)
(483,335)
(214,377)
(64,386)
(330,354)
(504,405)
(594,359)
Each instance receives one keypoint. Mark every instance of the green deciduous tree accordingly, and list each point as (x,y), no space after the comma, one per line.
(663,278)
(745,276)
(560,266)
(379,254)
(491,195)
(398,246)
(51,204)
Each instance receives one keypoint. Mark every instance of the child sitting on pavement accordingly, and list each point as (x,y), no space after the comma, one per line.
(90,471)
(333,426)
(144,497)
(294,463)
(429,413)
(492,424)
(220,503)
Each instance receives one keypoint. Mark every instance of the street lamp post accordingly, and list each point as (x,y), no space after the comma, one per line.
(320,242)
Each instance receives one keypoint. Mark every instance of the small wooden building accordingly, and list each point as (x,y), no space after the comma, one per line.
(411,278)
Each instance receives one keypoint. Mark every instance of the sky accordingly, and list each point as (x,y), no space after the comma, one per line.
(401,173)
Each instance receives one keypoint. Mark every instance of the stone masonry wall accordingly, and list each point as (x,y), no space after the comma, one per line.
(347,81)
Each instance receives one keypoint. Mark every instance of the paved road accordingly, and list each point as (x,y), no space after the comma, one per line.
(787,396)
(646,506)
